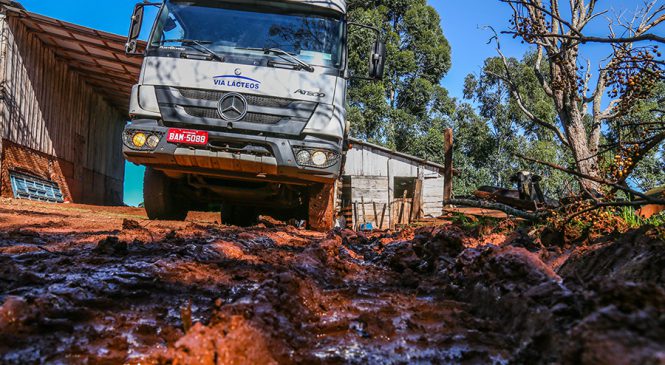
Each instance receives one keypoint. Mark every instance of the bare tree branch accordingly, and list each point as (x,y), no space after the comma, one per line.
(589,39)
(539,74)
(595,179)
(518,98)
(554,14)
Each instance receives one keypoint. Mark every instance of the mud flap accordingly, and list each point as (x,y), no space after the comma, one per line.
(321,207)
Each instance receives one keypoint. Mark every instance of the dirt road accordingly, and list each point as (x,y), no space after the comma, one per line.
(98,285)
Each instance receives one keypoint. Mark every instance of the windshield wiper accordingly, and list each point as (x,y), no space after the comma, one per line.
(294,60)
(201,44)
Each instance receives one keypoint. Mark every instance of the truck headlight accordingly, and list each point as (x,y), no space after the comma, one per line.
(152,142)
(319,158)
(142,140)
(303,158)
(139,139)
(314,157)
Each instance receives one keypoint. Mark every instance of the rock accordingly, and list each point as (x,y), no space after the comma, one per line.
(270,222)
(13,312)
(112,246)
(130,225)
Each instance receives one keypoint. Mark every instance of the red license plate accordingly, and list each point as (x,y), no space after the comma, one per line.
(187,136)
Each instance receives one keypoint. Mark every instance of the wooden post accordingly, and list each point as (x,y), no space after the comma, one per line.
(376,214)
(362,201)
(401,209)
(383,215)
(448,165)
(355,216)
(416,205)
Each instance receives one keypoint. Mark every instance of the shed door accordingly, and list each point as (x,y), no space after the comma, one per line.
(407,203)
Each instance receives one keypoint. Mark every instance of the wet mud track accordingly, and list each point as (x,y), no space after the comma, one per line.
(86,285)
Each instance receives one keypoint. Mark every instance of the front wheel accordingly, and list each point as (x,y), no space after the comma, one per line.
(161,195)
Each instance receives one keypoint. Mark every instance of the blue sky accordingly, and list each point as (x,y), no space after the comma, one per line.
(462,23)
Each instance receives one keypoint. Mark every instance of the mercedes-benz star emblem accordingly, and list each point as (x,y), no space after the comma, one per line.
(232,107)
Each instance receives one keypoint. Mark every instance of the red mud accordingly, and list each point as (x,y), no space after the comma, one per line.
(105,286)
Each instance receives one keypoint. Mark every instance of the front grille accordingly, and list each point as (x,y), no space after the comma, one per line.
(265,101)
(249,118)
(201,94)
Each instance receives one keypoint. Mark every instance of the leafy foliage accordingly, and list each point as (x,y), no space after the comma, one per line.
(511,131)
(630,216)
(393,111)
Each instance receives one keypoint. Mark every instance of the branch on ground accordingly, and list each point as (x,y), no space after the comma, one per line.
(496,206)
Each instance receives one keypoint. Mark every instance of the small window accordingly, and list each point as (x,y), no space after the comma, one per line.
(404,185)
(34,188)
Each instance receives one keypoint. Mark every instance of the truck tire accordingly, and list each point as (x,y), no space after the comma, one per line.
(241,216)
(161,197)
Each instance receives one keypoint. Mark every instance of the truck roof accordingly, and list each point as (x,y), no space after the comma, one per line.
(336,5)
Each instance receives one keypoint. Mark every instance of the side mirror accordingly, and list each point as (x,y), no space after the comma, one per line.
(377,60)
(131,47)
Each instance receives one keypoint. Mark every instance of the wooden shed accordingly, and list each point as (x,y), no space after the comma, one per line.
(64,93)
(387,188)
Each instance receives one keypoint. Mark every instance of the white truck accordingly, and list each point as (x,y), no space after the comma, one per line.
(241,104)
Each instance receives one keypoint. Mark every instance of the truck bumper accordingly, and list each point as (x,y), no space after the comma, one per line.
(279,165)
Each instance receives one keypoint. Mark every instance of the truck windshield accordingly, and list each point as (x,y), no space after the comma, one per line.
(248,28)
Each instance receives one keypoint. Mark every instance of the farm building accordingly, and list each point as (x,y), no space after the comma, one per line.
(386,188)
(64,92)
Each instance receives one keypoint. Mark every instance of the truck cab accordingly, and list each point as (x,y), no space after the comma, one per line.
(242,104)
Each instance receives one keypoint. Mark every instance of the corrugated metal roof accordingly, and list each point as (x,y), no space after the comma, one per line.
(99,57)
(355,141)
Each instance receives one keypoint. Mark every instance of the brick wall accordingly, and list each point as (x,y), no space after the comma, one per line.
(25,160)
(78,185)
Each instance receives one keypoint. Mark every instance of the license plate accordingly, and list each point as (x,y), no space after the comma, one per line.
(187,136)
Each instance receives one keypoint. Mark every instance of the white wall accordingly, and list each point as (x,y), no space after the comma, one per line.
(373,173)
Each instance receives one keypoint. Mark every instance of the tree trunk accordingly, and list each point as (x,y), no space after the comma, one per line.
(572,116)
(585,159)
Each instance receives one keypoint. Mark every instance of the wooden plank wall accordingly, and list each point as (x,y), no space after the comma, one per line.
(372,172)
(50,109)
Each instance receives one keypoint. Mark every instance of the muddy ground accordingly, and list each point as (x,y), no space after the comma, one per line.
(90,285)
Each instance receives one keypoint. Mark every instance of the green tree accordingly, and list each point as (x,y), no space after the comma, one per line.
(473,144)
(512,132)
(398,109)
